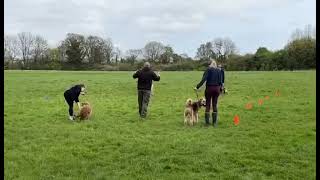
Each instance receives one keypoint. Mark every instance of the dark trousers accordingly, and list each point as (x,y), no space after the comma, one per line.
(143,101)
(69,102)
(212,93)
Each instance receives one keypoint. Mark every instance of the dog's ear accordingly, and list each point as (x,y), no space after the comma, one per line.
(189,102)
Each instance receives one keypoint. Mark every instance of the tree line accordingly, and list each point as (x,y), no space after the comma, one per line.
(79,52)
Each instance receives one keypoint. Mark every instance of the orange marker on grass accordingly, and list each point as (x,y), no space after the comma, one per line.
(260,102)
(249,106)
(236,120)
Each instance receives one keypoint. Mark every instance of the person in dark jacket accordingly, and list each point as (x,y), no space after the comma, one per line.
(213,78)
(72,95)
(145,77)
(222,78)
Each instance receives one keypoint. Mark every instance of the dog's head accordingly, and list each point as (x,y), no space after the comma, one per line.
(85,112)
(202,101)
(189,102)
(85,103)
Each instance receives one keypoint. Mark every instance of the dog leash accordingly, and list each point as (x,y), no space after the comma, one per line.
(197,94)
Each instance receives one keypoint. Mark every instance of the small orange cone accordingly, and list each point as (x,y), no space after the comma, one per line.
(236,120)
(266,98)
(260,102)
(249,106)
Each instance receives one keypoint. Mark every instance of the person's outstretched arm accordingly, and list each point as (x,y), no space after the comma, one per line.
(204,78)
(136,74)
(156,77)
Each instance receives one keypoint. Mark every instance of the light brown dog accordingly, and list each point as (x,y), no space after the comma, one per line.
(85,111)
(191,112)
(195,107)
(188,112)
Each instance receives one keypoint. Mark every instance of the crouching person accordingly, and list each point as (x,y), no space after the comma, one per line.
(72,95)
(145,77)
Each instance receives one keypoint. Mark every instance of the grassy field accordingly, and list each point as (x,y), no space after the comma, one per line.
(276,140)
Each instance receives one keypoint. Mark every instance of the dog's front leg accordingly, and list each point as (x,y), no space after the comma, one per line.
(185,118)
(197,117)
(191,119)
(194,118)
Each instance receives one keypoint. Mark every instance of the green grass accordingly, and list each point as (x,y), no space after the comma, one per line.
(274,141)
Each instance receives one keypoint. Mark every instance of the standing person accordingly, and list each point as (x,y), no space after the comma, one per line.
(145,77)
(222,77)
(72,95)
(213,78)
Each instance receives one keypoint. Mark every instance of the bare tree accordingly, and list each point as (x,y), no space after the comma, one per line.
(108,48)
(95,49)
(40,47)
(133,54)
(62,52)
(153,50)
(297,34)
(205,51)
(223,47)
(308,31)
(116,54)
(26,40)
(11,47)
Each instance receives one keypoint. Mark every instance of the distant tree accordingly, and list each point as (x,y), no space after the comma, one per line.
(309,32)
(11,48)
(75,48)
(54,58)
(153,50)
(279,60)
(236,63)
(167,56)
(301,54)
(40,48)
(95,49)
(205,51)
(262,59)
(223,47)
(108,49)
(132,55)
(26,40)
(116,54)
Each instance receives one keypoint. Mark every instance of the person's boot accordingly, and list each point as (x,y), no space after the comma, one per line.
(215,119)
(207,119)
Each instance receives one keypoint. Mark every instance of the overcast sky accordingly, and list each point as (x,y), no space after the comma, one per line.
(182,24)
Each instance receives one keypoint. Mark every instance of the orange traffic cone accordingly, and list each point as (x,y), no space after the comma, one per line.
(236,120)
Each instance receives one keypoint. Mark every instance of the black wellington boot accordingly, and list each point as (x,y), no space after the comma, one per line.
(215,119)
(207,118)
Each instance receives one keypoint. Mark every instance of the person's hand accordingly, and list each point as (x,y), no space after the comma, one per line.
(158,73)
